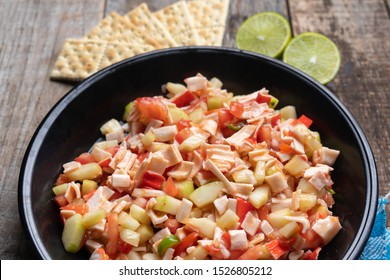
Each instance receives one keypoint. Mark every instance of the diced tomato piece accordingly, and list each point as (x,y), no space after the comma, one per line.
(170,188)
(305,120)
(187,241)
(78,205)
(113,235)
(275,249)
(60,200)
(313,240)
(264,134)
(88,195)
(263,212)
(124,247)
(153,180)
(309,255)
(152,108)
(275,119)
(236,109)
(183,99)
(224,116)
(243,207)
(183,124)
(62,179)
(263,98)
(227,132)
(253,253)
(235,254)
(112,150)
(105,163)
(85,158)
(183,135)
(287,149)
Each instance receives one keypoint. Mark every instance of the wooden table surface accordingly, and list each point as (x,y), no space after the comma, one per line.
(32,34)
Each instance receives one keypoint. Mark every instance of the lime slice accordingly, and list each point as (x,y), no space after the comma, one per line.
(315,55)
(267,33)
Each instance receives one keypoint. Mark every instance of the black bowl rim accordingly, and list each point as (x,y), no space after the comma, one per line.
(24,185)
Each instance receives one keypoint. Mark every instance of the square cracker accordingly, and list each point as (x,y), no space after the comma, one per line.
(210,19)
(143,18)
(115,52)
(211,36)
(116,28)
(178,21)
(208,13)
(78,59)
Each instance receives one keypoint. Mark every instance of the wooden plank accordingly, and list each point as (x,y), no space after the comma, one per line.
(31,36)
(360,29)
(123,6)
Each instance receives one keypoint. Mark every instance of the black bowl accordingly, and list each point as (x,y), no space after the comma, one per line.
(72,126)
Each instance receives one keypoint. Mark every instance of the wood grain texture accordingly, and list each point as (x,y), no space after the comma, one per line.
(359,29)
(32,33)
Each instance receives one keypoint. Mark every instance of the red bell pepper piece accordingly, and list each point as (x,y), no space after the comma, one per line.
(152,108)
(183,99)
(183,124)
(224,116)
(60,200)
(85,158)
(274,119)
(243,207)
(170,188)
(183,135)
(236,109)
(305,120)
(153,180)
(187,241)
(263,98)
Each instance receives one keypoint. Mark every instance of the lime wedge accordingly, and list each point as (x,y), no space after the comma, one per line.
(315,55)
(267,33)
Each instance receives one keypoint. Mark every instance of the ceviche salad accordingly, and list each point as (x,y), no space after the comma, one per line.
(201,174)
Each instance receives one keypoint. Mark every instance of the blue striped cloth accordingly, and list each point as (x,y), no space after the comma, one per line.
(378,245)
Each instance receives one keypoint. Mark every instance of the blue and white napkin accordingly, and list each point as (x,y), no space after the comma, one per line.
(378,244)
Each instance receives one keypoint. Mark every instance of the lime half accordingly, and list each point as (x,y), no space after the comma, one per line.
(315,55)
(267,33)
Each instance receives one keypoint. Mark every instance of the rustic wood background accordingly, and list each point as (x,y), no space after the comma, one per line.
(32,33)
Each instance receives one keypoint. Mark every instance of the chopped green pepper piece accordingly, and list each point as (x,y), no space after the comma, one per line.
(273,102)
(236,127)
(167,242)
(329,190)
(128,109)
